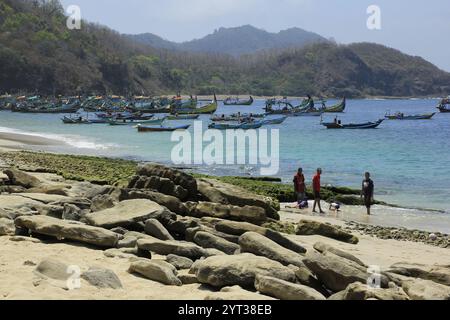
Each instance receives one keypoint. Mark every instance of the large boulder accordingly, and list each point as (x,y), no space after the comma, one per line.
(170,202)
(306,278)
(53,269)
(250,214)
(236,293)
(438,274)
(285,290)
(311,228)
(62,229)
(257,244)
(224,193)
(102,202)
(178,177)
(323,248)
(156,270)
(7,227)
(178,262)
(124,214)
(337,273)
(359,291)
(419,289)
(23,179)
(239,228)
(191,232)
(179,248)
(155,229)
(208,240)
(102,278)
(242,269)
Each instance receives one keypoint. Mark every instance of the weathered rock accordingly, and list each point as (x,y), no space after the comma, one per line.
(120,253)
(236,293)
(224,193)
(20,178)
(257,244)
(127,242)
(181,225)
(24,239)
(437,274)
(208,240)
(120,230)
(102,278)
(180,178)
(250,214)
(179,248)
(306,278)
(337,273)
(322,248)
(419,289)
(102,202)
(310,228)
(12,189)
(53,269)
(188,278)
(61,190)
(124,214)
(82,203)
(170,202)
(339,296)
(155,229)
(71,212)
(242,269)
(159,271)
(359,291)
(239,228)
(285,290)
(62,229)
(179,262)
(191,232)
(7,227)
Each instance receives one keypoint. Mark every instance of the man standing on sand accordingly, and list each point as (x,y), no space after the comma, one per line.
(299,185)
(367,191)
(316,190)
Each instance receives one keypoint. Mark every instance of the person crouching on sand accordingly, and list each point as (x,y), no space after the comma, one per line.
(367,191)
(299,185)
(316,190)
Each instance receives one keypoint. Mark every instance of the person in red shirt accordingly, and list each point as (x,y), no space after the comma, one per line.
(299,185)
(316,190)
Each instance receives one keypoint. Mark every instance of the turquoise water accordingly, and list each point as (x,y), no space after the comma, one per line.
(409,160)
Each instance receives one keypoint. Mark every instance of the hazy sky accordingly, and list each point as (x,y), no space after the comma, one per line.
(416,27)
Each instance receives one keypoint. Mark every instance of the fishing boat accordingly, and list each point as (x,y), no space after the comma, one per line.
(402,116)
(183,117)
(125,122)
(444,105)
(339,108)
(338,125)
(79,120)
(308,113)
(237,102)
(228,126)
(273,121)
(208,109)
(161,129)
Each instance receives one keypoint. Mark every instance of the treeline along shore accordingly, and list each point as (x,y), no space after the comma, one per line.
(148,231)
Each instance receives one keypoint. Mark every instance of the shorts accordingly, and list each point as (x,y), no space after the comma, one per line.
(317,195)
(367,201)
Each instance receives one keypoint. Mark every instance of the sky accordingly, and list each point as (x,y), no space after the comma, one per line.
(416,27)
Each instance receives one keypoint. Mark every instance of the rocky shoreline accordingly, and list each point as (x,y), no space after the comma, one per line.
(175,230)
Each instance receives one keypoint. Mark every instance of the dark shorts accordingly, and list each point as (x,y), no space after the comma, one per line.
(368,201)
(317,195)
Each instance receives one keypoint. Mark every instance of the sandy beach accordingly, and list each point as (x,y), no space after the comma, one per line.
(16,141)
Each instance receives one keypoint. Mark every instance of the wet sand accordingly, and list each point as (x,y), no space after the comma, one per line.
(19,141)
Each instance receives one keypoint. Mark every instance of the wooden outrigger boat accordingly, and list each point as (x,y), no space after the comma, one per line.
(79,120)
(444,106)
(208,109)
(228,126)
(339,125)
(401,116)
(237,102)
(183,117)
(339,108)
(126,122)
(273,121)
(161,129)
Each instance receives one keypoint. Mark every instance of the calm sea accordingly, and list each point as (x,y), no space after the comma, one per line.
(409,160)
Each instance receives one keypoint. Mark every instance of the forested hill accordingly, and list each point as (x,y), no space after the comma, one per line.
(237,41)
(39,54)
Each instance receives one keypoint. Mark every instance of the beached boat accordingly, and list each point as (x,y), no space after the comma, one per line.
(237,102)
(273,121)
(402,116)
(339,108)
(339,125)
(161,129)
(125,122)
(184,117)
